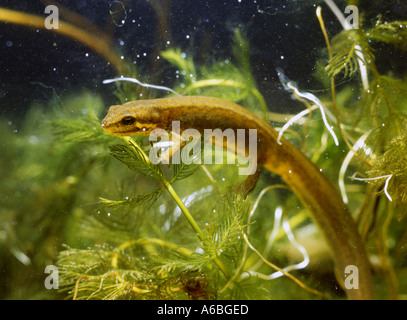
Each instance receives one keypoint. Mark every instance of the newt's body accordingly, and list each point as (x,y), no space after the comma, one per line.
(311,186)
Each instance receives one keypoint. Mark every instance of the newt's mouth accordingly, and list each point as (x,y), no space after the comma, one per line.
(111,130)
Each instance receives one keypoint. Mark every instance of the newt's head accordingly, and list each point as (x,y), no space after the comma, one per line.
(131,118)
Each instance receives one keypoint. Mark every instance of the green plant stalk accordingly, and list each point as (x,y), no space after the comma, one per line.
(181,205)
(191,220)
(183,208)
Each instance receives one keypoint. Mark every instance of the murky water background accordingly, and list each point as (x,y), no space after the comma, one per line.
(39,67)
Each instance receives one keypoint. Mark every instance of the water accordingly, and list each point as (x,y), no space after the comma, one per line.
(55,163)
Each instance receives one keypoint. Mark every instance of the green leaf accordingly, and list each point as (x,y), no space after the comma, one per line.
(79,130)
(241,52)
(146,200)
(394,33)
(347,48)
(179,59)
(135,159)
(223,233)
(183,170)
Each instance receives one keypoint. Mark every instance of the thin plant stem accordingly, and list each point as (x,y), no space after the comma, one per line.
(182,206)
(192,222)
(288,275)
(346,26)
(328,46)
(99,44)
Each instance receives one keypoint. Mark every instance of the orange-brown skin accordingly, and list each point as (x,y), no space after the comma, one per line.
(315,191)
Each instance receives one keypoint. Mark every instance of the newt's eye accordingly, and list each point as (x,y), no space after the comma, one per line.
(128,121)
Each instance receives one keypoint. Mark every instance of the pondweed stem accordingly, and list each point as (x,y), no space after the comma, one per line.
(98,43)
(192,222)
(182,206)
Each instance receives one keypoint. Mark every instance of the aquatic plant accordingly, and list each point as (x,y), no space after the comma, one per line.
(381,120)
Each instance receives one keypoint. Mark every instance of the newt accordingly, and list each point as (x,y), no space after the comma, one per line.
(315,191)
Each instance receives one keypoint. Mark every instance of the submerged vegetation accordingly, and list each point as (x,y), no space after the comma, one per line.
(120,227)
